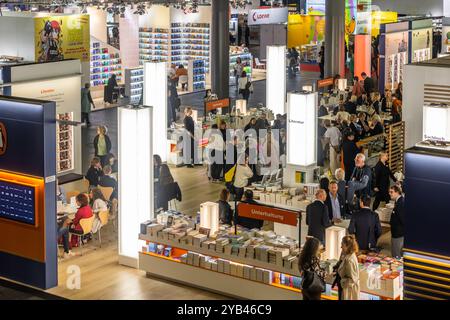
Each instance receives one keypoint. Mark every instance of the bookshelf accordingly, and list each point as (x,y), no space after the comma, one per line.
(104,63)
(153,44)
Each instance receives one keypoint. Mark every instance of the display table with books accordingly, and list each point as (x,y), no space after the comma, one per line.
(251,264)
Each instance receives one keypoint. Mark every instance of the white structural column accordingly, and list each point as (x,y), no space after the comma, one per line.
(301,129)
(276,79)
(155,95)
(335,38)
(135,179)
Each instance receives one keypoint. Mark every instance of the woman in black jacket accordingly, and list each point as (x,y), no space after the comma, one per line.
(309,266)
(102,145)
(225,211)
(163,181)
(94,173)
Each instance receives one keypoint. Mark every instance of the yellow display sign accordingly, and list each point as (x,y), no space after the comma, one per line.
(62,37)
(304,29)
(381,17)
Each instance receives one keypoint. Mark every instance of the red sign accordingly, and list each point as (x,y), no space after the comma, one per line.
(259,212)
(325,83)
(217,104)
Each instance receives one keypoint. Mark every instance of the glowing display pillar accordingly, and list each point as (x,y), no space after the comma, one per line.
(155,95)
(276,79)
(135,179)
(209,216)
(333,239)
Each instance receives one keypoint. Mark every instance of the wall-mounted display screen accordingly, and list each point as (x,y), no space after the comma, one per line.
(17,202)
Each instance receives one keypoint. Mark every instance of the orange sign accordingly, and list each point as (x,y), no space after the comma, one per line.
(259,212)
(325,83)
(217,104)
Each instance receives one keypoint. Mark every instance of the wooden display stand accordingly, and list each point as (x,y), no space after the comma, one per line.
(396,146)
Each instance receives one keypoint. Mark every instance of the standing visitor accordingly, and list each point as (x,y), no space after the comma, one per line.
(397,221)
(382,181)
(189,126)
(349,152)
(349,269)
(242,175)
(369,84)
(163,180)
(102,144)
(365,225)
(333,137)
(110,89)
(225,211)
(322,61)
(86,102)
(313,283)
(317,217)
(238,68)
(245,86)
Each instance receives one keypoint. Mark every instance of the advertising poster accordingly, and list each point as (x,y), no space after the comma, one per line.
(315,7)
(304,29)
(351,11)
(364,17)
(446,39)
(382,17)
(62,37)
(397,45)
(422,45)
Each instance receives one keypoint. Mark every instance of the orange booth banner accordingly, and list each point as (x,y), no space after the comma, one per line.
(363,51)
(260,212)
(327,82)
(217,104)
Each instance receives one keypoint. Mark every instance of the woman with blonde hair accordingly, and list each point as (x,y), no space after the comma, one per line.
(102,144)
(348,270)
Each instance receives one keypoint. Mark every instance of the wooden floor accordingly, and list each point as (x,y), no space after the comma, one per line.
(103,278)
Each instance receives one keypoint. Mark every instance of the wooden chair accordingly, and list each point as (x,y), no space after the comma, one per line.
(70,194)
(106,191)
(113,213)
(103,216)
(86,225)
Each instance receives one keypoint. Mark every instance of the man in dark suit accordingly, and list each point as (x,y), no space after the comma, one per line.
(369,84)
(382,181)
(365,225)
(397,221)
(189,125)
(335,203)
(109,182)
(317,218)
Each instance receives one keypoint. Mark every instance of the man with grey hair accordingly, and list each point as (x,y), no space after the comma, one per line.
(360,181)
(317,216)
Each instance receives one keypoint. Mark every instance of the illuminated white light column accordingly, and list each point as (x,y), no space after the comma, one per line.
(342,84)
(301,129)
(209,216)
(333,239)
(436,122)
(135,179)
(241,105)
(276,79)
(155,95)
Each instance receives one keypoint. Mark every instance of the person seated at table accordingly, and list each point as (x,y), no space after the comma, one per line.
(350,104)
(98,204)
(60,193)
(112,161)
(106,180)
(376,127)
(363,124)
(84,212)
(94,173)
(63,236)
(245,222)
(343,115)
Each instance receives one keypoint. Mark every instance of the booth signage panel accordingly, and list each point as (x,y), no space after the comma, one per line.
(315,7)
(217,104)
(305,29)
(327,82)
(268,16)
(259,212)
(62,37)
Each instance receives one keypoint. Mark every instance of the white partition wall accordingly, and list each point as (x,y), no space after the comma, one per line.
(155,95)
(301,129)
(135,179)
(276,79)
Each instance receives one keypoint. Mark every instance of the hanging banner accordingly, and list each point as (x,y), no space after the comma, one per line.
(62,37)
(268,16)
(256,211)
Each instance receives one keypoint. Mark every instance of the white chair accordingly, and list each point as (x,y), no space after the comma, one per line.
(259,64)
(86,225)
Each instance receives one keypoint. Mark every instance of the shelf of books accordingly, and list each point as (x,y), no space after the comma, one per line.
(104,63)
(190,41)
(197,75)
(134,84)
(227,264)
(64,144)
(153,44)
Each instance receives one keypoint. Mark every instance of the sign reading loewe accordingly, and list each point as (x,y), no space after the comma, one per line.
(260,212)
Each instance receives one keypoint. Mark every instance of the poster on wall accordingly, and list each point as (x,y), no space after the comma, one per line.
(351,12)
(315,7)
(397,45)
(62,37)
(305,29)
(422,45)
(446,39)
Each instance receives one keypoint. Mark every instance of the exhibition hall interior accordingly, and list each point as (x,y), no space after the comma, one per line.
(224,150)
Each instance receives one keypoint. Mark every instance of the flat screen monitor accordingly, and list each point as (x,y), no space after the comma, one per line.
(17,202)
